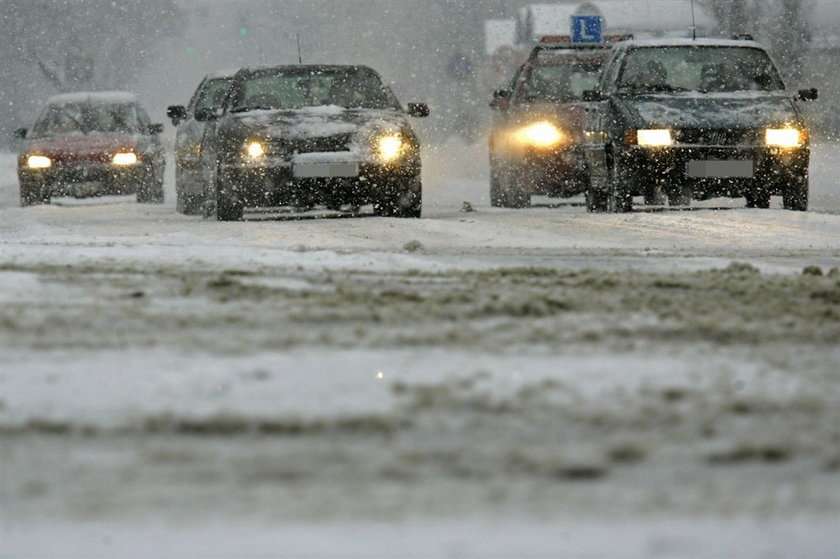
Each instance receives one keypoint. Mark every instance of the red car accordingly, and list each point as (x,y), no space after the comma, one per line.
(537,135)
(90,144)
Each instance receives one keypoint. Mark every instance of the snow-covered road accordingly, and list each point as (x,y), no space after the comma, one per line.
(492,383)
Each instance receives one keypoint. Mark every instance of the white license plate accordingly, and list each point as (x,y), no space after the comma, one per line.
(310,170)
(723,169)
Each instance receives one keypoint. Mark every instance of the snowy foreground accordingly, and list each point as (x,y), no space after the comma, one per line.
(492,383)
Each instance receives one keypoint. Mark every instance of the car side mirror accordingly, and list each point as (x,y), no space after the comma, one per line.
(592,96)
(810,94)
(501,100)
(176,113)
(418,110)
(20,133)
(205,114)
(155,128)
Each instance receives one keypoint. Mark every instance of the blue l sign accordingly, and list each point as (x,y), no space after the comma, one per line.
(586,29)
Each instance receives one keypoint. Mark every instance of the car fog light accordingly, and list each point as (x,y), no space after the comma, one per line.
(654,137)
(783,137)
(125,158)
(540,134)
(390,147)
(38,162)
(255,150)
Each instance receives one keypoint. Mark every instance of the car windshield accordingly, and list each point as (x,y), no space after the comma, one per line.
(703,68)
(560,83)
(212,95)
(295,89)
(87,118)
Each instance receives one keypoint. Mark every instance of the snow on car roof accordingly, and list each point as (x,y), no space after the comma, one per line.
(700,42)
(225,73)
(93,97)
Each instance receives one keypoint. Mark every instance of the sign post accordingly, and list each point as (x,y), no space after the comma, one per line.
(586,29)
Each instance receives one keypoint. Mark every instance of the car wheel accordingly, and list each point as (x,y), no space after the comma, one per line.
(758,198)
(655,195)
(597,201)
(619,199)
(150,187)
(34,192)
(795,195)
(404,200)
(508,190)
(680,197)
(188,204)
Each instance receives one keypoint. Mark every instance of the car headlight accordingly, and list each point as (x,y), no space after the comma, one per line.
(787,137)
(124,158)
(540,134)
(654,137)
(38,162)
(390,147)
(254,150)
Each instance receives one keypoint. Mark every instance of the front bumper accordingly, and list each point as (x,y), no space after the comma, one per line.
(709,171)
(555,173)
(98,178)
(276,184)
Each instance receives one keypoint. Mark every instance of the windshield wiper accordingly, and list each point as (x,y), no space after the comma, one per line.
(252,108)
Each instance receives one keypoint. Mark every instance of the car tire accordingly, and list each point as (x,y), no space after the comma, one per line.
(507,190)
(150,187)
(655,195)
(404,200)
(795,195)
(758,198)
(680,197)
(188,204)
(619,199)
(33,192)
(597,201)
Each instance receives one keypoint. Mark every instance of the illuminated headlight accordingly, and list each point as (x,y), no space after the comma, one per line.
(654,137)
(390,147)
(540,134)
(124,158)
(255,150)
(38,162)
(783,137)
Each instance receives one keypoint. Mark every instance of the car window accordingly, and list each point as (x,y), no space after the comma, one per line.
(704,69)
(212,94)
(296,89)
(561,83)
(87,118)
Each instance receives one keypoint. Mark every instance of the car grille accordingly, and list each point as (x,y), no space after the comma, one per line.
(716,136)
(288,146)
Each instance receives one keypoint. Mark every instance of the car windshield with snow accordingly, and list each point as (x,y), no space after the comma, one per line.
(308,135)
(91,143)
(536,138)
(701,118)
(210,93)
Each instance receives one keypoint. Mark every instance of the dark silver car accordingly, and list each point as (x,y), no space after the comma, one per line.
(307,135)
(694,119)
(189,185)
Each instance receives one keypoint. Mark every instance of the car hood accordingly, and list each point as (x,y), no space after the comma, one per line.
(697,110)
(82,144)
(315,122)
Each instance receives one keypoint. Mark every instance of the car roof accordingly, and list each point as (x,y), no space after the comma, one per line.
(682,42)
(306,67)
(566,58)
(219,74)
(95,97)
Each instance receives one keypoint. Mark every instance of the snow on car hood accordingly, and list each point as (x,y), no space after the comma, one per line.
(82,144)
(697,110)
(318,122)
